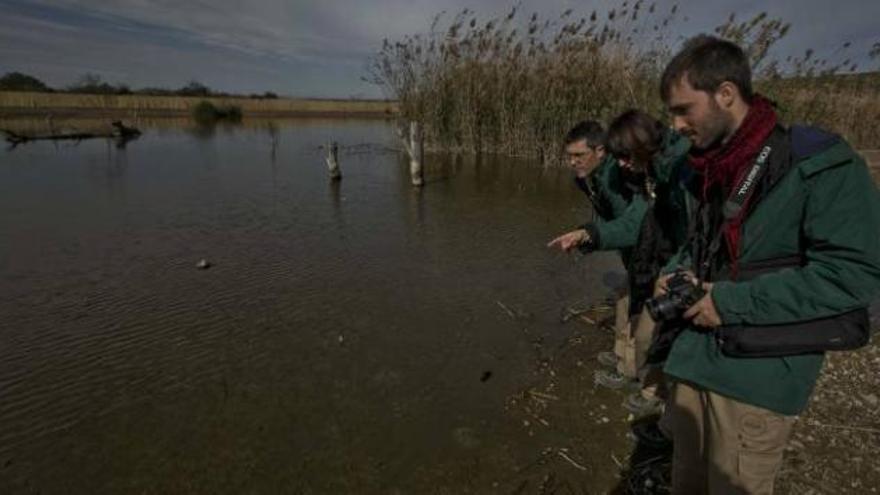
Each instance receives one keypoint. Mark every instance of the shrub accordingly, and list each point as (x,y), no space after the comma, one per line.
(205,112)
(16,81)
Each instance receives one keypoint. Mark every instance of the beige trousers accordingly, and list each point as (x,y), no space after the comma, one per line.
(621,328)
(722,446)
(632,339)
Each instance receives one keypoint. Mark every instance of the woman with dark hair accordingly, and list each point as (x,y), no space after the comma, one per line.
(634,139)
(654,157)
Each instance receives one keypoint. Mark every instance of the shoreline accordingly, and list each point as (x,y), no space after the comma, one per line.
(97,113)
(29,104)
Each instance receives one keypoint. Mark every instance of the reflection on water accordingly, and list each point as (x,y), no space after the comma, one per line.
(340,343)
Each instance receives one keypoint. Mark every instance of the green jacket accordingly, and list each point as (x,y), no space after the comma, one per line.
(827,209)
(668,169)
(619,228)
(618,206)
(663,229)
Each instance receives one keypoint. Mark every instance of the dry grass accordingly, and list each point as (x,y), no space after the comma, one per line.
(851,110)
(134,104)
(514,86)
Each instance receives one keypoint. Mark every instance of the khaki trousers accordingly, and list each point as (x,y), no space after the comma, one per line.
(632,339)
(621,328)
(722,446)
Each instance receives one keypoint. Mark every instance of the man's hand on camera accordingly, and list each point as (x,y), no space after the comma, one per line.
(703,313)
(569,240)
(661,286)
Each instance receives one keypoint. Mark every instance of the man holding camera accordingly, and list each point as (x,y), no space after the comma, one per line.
(784,249)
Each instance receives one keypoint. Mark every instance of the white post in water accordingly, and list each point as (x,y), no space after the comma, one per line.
(415,154)
(332,160)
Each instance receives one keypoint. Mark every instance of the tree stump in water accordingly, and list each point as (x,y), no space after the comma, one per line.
(332,160)
(415,154)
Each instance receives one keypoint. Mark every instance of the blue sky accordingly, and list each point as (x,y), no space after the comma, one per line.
(320,49)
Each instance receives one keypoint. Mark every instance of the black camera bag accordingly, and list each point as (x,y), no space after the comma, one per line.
(843,332)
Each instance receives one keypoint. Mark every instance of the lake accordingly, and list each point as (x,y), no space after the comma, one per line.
(354,337)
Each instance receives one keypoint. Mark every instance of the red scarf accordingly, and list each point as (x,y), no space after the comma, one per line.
(725,165)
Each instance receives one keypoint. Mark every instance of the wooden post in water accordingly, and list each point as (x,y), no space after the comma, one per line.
(332,160)
(415,154)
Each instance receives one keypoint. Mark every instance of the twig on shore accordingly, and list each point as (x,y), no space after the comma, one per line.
(571,313)
(570,460)
(542,395)
(619,465)
(588,319)
(506,309)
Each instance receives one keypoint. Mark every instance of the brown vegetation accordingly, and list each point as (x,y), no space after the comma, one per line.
(515,86)
(33,103)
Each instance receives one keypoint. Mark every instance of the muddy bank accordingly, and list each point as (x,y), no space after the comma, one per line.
(584,426)
(833,449)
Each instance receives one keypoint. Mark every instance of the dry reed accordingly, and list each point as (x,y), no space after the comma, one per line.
(514,85)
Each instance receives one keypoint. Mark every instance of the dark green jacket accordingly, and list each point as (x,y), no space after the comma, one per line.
(621,206)
(618,206)
(826,208)
(669,170)
(663,229)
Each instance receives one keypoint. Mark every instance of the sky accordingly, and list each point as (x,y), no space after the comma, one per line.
(322,48)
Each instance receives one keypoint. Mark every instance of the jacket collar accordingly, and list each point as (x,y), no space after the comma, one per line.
(674,151)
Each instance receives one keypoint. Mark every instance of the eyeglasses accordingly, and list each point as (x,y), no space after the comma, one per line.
(580,154)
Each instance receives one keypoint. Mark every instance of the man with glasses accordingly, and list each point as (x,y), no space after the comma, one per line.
(618,210)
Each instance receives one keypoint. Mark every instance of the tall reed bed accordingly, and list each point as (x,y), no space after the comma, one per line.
(515,84)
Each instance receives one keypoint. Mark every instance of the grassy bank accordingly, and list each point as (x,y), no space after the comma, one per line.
(515,85)
(133,106)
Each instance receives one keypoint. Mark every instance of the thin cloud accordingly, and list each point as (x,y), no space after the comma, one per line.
(321,48)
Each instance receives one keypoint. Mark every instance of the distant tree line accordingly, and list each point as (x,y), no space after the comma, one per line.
(93,84)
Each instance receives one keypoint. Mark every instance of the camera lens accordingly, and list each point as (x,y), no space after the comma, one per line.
(662,308)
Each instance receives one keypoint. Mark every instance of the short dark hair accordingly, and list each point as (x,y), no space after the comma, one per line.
(635,134)
(707,62)
(588,129)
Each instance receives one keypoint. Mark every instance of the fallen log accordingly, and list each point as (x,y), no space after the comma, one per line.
(119,131)
(16,138)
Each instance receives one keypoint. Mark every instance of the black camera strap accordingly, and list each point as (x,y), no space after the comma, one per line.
(733,207)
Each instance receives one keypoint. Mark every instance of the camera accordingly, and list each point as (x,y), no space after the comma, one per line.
(681,293)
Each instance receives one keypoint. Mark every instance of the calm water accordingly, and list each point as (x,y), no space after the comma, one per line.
(340,343)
